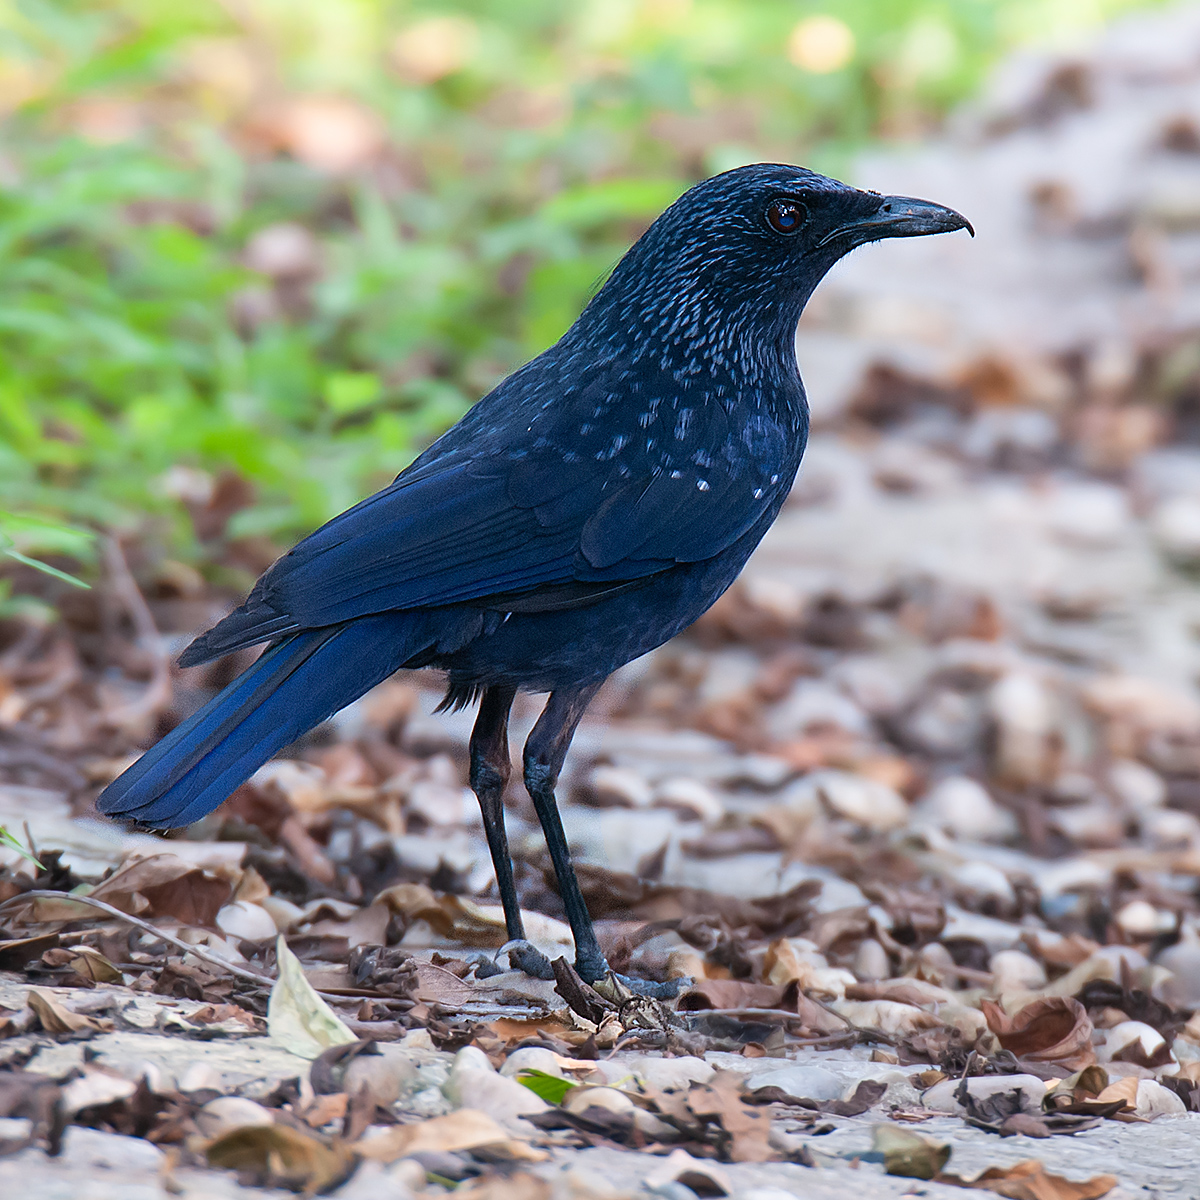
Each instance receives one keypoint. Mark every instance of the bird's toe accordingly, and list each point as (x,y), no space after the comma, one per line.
(528,958)
(657,991)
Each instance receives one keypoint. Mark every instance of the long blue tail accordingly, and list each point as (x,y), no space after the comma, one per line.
(291,688)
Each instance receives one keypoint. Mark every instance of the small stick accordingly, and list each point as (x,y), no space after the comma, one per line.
(211,959)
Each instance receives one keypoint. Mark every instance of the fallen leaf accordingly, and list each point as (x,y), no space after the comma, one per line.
(39,1100)
(521,1186)
(702,1176)
(909,1154)
(466,1129)
(867,1094)
(297,1018)
(56,1018)
(164,885)
(1029,1180)
(284,1156)
(1053,1029)
(551,1088)
(747,1130)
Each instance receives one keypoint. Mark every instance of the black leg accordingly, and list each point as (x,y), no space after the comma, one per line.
(544,755)
(491,766)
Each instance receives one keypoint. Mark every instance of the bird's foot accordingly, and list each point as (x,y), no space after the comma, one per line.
(525,956)
(648,987)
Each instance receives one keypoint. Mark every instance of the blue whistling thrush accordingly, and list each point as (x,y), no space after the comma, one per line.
(586,510)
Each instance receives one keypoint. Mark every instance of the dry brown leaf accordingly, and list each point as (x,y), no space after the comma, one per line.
(521,1186)
(909,1154)
(1053,1029)
(283,1156)
(1123,1089)
(57,1018)
(466,1129)
(1029,1180)
(732,993)
(721,1099)
(164,885)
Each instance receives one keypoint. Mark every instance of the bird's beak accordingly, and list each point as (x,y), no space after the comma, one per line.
(899,216)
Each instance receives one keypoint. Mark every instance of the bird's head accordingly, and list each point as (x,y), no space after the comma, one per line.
(751,244)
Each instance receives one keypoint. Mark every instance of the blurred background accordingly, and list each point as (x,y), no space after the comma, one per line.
(255,255)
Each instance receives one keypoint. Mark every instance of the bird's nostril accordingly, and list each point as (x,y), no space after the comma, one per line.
(885,208)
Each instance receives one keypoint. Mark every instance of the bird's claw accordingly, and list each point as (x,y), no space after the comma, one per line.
(657,991)
(525,956)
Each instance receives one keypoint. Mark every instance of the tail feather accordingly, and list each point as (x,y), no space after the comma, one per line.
(294,686)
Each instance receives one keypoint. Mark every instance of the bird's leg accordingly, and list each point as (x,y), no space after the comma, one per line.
(491,765)
(544,754)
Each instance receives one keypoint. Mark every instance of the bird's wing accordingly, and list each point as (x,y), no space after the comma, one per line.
(526,530)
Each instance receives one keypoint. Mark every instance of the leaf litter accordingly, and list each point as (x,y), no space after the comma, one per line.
(914,833)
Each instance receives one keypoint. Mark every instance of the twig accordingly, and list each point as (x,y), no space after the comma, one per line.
(211,959)
(157,695)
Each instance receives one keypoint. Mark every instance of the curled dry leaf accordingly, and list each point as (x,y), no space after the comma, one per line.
(1029,1180)
(907,1153)
(466,1129)
(702,1176)
(56,1018)
(297,1018)
(721,1100)
(164,885)
(284,1156)
(1053,1029)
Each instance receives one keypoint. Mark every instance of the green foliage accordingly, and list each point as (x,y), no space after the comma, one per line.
(467,174)
(551,1088)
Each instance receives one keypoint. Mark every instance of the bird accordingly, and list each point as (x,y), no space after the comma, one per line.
(585,511)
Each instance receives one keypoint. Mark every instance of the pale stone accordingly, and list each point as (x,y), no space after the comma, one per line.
(1154,1100)
(1136,786)
(871,961)
(619,786)
(940,1097)
(1014,970)
(242,919)
(1125,1034)
(227,1113)
(532,1058)
(802,1081)
(963,808)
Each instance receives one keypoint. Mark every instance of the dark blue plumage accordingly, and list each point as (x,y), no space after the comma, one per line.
(585,511)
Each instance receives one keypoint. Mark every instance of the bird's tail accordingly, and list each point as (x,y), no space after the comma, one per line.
(294,686)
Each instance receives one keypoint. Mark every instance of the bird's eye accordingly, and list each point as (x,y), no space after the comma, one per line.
(786,216)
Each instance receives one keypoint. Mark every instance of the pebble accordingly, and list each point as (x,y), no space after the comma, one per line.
(1183,961)
(243,919)
(227,1113)
(389,1075)
(940,1097)
(669,1074)
(866,802)
(84,1147)
(532,1058)
(802,1081)
(475,1084)
(1014,970)
(620,786)
(1154,1100)
(1175,526)
(1136,786)
(964,809)
(374,1181)
(1140,919)
(871,961)
(1125,1034)
(689,797)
